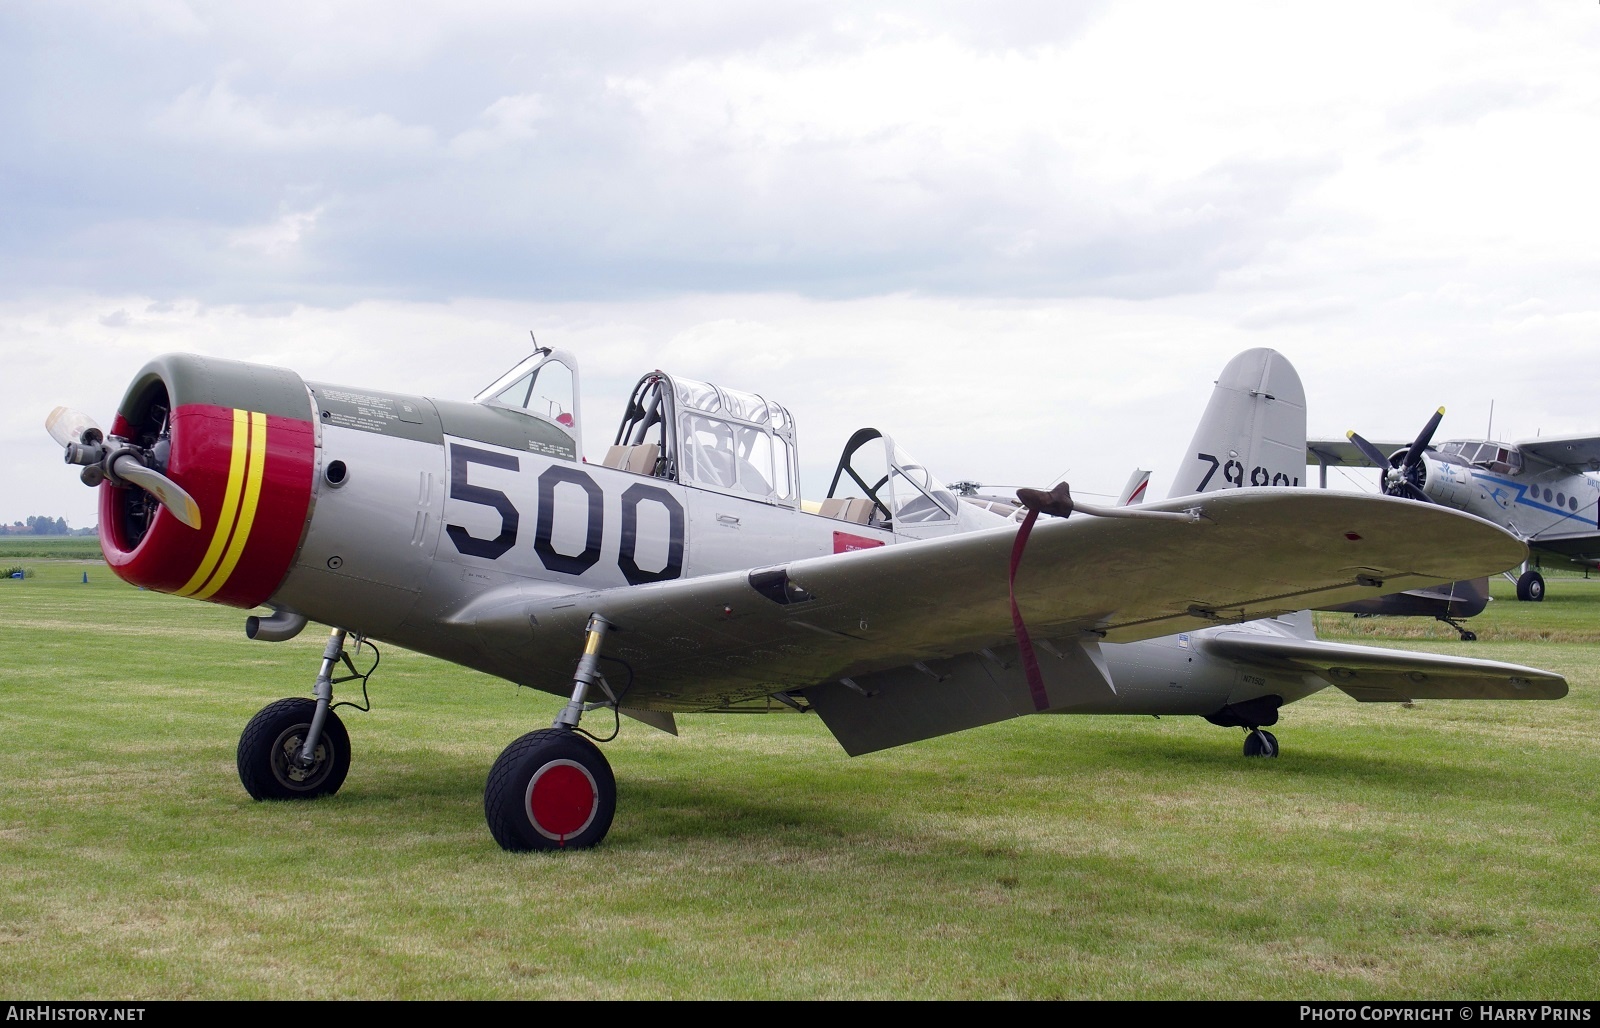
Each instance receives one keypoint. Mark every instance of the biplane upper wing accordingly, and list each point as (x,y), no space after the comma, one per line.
(1342,453)
(934,611)
(1575,452)
(1372,675)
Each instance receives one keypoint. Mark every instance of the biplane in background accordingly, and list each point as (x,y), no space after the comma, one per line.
(683,573)
(1538,489)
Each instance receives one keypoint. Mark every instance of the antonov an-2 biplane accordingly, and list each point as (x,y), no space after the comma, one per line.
(1538,489)
(685,574)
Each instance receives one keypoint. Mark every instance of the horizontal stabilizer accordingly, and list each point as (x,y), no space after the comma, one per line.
(1374,675)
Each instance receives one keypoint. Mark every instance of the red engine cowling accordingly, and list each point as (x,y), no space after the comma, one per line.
(240,439)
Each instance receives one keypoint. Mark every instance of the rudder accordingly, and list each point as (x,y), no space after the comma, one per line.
(1253,432)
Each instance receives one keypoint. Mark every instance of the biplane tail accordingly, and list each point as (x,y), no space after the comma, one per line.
(1253,432)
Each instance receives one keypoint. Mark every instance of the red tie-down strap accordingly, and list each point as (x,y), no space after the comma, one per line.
(1057,501)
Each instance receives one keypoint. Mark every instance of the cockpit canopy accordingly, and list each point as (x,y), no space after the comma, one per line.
(1494,456)
(543,385)
(902,492)
(711,437)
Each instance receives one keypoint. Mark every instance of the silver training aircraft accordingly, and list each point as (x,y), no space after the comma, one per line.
(683,573)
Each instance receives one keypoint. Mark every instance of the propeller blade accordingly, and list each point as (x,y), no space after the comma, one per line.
(1372,453)
(164,489)
(1423,439)
(67,426)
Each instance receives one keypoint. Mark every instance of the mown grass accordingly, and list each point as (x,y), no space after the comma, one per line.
(1568,613)
(1441,851)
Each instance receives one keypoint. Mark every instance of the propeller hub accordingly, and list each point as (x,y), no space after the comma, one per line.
(85,453)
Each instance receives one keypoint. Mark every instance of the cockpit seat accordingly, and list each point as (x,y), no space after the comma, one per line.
(851,508)
(640,459)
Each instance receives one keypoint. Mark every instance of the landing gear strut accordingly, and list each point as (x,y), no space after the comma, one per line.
(270,746)
(552,789)
(298,748)
(1467,634)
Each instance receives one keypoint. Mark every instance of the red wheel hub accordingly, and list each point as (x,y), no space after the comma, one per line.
(562,799)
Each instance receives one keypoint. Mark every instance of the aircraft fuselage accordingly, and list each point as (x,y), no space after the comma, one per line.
(1553,509)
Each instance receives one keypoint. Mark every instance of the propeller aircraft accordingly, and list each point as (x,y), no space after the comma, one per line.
(684,572)
(1538,489)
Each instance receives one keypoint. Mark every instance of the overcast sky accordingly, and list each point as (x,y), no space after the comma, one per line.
(1022,238)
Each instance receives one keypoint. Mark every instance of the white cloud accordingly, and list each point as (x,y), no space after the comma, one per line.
(217,114)
(276,238)
(509,120)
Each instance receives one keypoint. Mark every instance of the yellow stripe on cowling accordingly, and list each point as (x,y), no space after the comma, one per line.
(247,509)
(230,504)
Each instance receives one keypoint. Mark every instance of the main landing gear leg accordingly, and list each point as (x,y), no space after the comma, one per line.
(298,748)
(552,789)
(1467,634)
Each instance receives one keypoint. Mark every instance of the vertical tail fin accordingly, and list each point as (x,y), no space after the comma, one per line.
(1133,493)
(1253,431)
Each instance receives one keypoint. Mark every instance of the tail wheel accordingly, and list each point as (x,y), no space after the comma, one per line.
(269,751)
(551,789)
(1260,743)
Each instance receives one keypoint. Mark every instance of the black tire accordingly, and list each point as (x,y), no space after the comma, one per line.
(1469,637)
(575,801)
(274,737)
(1530,587)
(1260,743)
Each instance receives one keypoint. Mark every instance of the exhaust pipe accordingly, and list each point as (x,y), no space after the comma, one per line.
(280,626)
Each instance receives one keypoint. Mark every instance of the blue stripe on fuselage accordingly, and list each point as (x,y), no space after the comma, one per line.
(1522,497)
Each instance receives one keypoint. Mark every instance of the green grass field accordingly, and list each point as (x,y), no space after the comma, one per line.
(1445,850)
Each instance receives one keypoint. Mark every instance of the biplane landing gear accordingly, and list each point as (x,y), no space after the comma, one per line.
(297,748)
(1467,634)
(1260,743)
(553,789)
(1530,586)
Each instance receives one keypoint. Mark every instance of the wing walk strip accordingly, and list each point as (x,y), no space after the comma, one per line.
(240,498)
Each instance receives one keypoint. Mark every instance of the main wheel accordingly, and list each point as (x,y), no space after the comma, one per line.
(1261,743)
(551,789)
(1530,586)
(270,746)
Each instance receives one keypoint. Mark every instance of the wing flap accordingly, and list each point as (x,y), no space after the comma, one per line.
(1375,675)
(890,708)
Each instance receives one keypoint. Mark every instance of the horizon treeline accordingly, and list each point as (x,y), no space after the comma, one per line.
(42,525)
